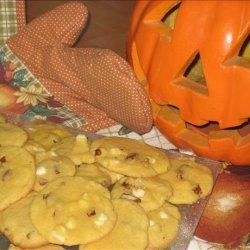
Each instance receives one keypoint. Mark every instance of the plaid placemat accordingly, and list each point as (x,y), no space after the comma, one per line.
(153,137)
(12,18)
(8,20)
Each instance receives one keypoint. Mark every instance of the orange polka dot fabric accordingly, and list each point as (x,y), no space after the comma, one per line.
(21,18)
(95,83)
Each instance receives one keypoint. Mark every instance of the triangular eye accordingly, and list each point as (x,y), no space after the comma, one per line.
(245,48)
(194,71)
(243,57)
(170,16)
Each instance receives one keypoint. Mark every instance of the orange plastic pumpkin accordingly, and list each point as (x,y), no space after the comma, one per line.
(194,59)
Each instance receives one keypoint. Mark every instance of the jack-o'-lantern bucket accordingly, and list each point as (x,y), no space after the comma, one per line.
(193,58)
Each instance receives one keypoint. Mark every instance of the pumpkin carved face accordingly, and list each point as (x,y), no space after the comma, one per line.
(194,59)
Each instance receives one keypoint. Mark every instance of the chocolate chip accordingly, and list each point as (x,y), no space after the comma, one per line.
(28,235)
(197,190)
(146,162)
(130,197)
(131,156)
(91,213)
(43,181)
(6,175)
(126,185)
(179,175)
(98,151)
(105,183)
(56,169)
(137,200)
(2,159)
(45,196)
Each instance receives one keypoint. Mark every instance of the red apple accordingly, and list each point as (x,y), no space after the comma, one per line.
(8,76)
(8,100)
(10,66)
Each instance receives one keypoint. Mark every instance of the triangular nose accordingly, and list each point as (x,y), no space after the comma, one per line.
(194,71)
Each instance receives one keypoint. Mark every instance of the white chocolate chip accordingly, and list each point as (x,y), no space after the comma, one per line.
(118,177)
(60,228)
(138,192)
(82,203)
(130,197)
(115,160)
(115,151)
(99,223)
(81,137)
(58,236)
(151,159)
(71,223)
(101,219)
(38,149)
(163,215)
(41,171)
(151,223)
(53,153)
(85,196)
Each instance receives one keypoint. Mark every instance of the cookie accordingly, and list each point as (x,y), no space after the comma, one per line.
(50,169)
(12,135)
(76,148)
(47,134)
(72,211)
(17,174)
(163,226)
(17,227)
(38,151)
(94,173)
(129,157)
(2,118)
(189,180)
(45,155)
(149,193)
(112,175)
(47,247)
(33,147)
(130,231)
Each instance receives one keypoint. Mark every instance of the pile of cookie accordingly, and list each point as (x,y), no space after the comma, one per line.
(59,189)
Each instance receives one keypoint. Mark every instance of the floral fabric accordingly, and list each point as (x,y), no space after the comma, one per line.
(33,100)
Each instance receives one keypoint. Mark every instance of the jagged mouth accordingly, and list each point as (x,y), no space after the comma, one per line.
(243,129)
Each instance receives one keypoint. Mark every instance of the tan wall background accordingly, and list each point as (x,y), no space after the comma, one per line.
(108,22)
